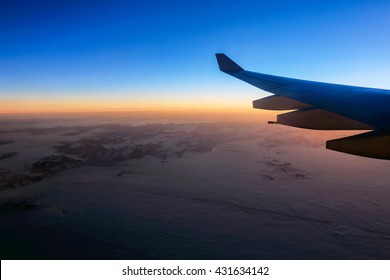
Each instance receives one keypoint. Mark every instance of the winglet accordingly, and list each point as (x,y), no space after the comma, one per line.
(226,64)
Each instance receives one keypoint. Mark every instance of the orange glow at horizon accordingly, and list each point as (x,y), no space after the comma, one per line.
(50,106)
(240,111)
(14,106)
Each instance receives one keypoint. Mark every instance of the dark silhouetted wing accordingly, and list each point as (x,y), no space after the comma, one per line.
(325,106)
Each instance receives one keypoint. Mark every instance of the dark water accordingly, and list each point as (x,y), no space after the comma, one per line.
(168,225)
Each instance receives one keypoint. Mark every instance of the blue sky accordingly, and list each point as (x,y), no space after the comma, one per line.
(157,50)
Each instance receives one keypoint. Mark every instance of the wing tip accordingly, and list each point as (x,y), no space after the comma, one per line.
(226,64)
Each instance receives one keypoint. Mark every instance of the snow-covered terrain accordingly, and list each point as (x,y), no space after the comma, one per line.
(190,190)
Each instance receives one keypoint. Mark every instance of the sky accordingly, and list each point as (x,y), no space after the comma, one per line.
(84,55)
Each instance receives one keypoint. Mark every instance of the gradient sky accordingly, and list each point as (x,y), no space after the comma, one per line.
(89,55)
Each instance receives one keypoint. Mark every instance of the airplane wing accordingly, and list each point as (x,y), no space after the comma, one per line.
(325,106)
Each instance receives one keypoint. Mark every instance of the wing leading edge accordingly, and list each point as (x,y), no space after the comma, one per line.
(325,106)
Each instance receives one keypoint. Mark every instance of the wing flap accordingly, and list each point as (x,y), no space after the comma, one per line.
(320,119)
(373,144)
(276,102)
